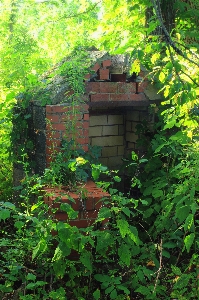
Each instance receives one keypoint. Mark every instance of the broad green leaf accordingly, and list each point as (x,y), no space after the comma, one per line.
(124,254)
(123,288)
(143,290)
(40,248)
(30,276)
(188,241)
(85,258)
(96,294)
(104,213)
(113,294)
(161,76)
(104,241)
(59,267)
(126,211)
(4,214)
(189,222)
(176,270)
(157,193)
(57,254)
(123,227)
(134,234)
(182,212)
(109,289)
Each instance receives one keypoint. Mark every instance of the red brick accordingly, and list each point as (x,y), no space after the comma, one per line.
(95,67)
(126,88)
(53,150)
(104,74)
(53,118)
(60,126)
(88,202)
(85,148)
(49,160)
(85,125)
(87,76)
(92,87)
(57,108)
(91,214)
(52,135)
(118,97)
(80,223)
(86,117)
(137,97)
(142,86)
(51,142)
(106,63)
(99,97)
(82,141)
(108,87)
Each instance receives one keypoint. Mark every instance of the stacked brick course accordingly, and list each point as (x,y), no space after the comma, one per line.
(87,202)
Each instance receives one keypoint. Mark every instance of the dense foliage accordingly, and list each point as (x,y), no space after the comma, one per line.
(150,246)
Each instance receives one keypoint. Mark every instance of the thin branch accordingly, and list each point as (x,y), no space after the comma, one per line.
(156,5)
(78,14)
(160,267)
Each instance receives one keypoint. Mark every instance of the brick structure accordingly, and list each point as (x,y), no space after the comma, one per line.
(87,203)
(114,104)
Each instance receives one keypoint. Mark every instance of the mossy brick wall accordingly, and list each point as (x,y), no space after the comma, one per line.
(62,123)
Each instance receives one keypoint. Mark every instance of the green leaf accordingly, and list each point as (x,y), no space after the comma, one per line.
(123,227)
(104,241)
(123,288)
(189,222)
(85,258)
(109,289)
(143,290)
(182,212)
(104,213)
(176,270)
(59,267)
(96,294)
(113,294)
(19,224)
(117,178)
(188,241)
(95,173)
(124,254)
(40,248)
(72,214)
(134,234)
(102,278)
(161,76)
(126,211)
(157,193)
(30,276)
(4,214)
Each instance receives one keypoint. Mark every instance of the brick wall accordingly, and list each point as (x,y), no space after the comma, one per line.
(64,124)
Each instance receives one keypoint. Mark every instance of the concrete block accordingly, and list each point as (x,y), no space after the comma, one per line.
(107,141)
(110,130)
(128,125)
(115,119)
(109,151)
(103,161)
(121,129)
(98,120)
(131,137)
(120,150)
(95,131)
(115,161)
